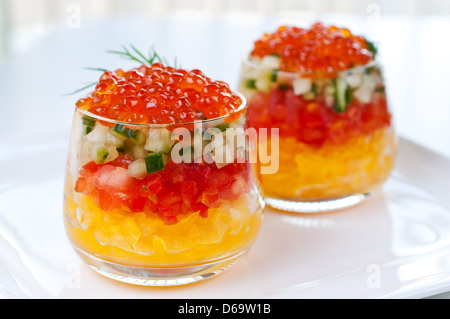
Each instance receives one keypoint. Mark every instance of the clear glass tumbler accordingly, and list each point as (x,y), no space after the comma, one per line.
(337,141)
(136,213)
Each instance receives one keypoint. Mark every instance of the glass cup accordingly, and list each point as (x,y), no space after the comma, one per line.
(337,142)
(143,206)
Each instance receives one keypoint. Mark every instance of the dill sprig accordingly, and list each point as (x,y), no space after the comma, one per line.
(91,84)
(134,55)
(97,69)
(137,56)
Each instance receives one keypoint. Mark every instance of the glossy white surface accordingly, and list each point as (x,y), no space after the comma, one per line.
(395,245)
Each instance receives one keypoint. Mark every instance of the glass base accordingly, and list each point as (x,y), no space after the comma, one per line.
(311,207)
(159,277)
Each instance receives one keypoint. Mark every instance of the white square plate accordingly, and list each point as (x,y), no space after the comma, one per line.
(394,245)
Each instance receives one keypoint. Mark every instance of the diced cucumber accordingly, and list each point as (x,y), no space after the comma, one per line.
(223,127)
(364,94)
(139,152)
(237,142)
(101,137)
(262,85)
(199,144)
(261,80)
(187,152)
(372,47)
(271,61)
(343,95)
(155,162)
(114,139)
(134,150)
(138,169)
(330,90)
(315,88)
(285,78)
(220,155)
(380,89)
(309,95)
(301,86)
(250,84)
(240,122)
(370,80)
(98,152)
(365,91)
(140,137)
(159,140)
(330,94)
(354,80)
(273,75)
(88,123)
(124,131)
(101,155)
(98,134)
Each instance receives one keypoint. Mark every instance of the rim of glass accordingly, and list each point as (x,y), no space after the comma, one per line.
(359,68)
(162,125)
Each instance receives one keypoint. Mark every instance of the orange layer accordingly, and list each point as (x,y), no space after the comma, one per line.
(331,171)
(144,239)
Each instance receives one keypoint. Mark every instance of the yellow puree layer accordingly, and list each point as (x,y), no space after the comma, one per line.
(143,239)
(331,171)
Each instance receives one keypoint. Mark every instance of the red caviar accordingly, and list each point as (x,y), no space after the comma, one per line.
(318,49)
(159,94)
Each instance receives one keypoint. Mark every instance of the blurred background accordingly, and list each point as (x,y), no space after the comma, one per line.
(45,46)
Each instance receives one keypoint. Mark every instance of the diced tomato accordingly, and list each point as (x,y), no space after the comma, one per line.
(91,166)
(81,184)
(314,122)
(150,186)
(113,178)
(123,160)
(199,206)
(178,189)
(137,203)
(189,193)
(218,181)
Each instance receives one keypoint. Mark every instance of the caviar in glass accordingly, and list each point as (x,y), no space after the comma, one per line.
(337,142)
(137,213)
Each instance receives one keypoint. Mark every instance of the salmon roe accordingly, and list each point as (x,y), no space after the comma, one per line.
(159,94)
(319,49)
